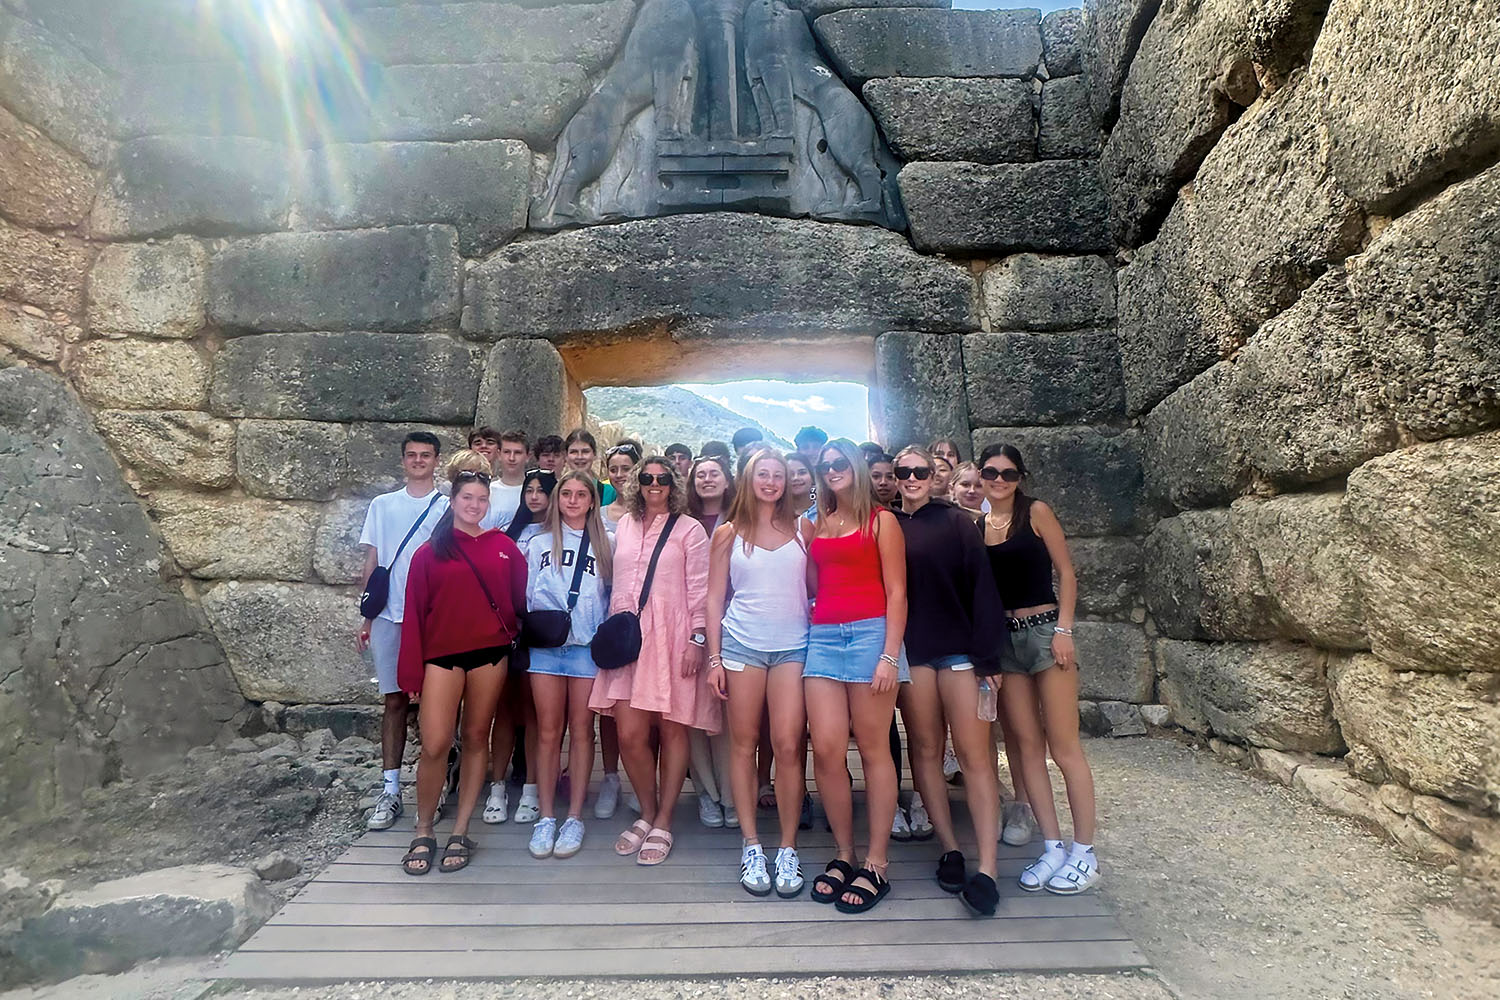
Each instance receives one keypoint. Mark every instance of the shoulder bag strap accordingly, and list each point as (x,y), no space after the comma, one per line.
(482,585)
(583,550)
(415,525)
(661,543)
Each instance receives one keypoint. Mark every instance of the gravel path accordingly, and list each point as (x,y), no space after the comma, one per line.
(1233,887)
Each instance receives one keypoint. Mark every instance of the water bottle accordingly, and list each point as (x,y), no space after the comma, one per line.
(987,699)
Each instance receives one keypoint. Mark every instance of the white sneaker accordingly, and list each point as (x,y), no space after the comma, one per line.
(731,817)
(609,796)
(497,806)
(921,823)
(569,838)
(951,772)
(1020,824)
(900,829)
(1079,873)
(709,813)
(788,873)
(543,838)
(1035,875)
(530,809)
(753,874)
(387,809)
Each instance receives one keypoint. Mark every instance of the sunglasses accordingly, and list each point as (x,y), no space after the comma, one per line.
(620,449)
(989,474)
(921,472)
(840,465)
(469,474)
(658,479)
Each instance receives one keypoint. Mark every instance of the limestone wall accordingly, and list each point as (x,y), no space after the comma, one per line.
(1306,193)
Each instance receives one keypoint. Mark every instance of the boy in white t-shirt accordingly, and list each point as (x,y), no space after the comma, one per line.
(510,476)
(390,517)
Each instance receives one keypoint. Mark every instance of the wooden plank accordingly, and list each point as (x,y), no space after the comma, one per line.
(674,872)
(595,856)
(311,967)
(448,889)
(740,935)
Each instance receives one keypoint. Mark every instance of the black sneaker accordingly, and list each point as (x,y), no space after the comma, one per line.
(951,874)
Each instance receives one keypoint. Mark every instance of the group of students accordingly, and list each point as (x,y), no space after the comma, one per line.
(776,598)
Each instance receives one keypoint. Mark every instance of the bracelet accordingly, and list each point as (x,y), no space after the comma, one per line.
(1062,631)
(715,660)
(888,658)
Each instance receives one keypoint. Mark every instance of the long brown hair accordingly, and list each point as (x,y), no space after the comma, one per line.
(694,501)
(863,503)
(742,512)
(593,524)
(1020,515)
(462,462)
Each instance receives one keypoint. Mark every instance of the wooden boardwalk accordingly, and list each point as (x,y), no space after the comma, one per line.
(508,915)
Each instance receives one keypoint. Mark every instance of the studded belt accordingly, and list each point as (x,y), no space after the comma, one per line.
(1017,624)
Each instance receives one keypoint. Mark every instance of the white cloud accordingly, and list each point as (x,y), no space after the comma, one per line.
(812,404)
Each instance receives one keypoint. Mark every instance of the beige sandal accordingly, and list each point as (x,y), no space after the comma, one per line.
(658,854)
(630,841)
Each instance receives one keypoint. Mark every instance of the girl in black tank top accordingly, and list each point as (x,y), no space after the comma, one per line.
(1025,543)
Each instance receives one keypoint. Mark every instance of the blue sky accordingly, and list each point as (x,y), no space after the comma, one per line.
(840,408)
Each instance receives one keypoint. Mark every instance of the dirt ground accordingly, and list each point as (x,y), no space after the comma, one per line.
(1233,887)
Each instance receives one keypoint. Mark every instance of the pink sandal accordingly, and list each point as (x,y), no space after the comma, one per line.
(656,837)
(630,841)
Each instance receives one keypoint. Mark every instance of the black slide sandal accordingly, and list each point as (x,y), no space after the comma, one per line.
(868,898)
(460,847)
(980,896)
(845,869)
(412,856)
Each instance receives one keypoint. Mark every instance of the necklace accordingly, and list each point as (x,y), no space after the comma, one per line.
(1001,527)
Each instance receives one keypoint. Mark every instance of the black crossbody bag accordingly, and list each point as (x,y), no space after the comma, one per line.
(618,642)
(378,587)
(548,629)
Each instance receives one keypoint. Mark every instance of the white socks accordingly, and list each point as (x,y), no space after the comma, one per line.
(1052,847)
(1079,850)
(392,780)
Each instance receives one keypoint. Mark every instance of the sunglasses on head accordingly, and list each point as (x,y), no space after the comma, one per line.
(919,471)
(657,479)
(466,474)
(989,473)
(837,465)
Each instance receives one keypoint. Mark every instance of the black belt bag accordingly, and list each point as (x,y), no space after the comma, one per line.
(377,591)
(548,629)
(618,642)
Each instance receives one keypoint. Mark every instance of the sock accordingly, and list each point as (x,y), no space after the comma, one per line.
(1079,850)
(392,780)
(528,791)
(1048,846)
(752,849)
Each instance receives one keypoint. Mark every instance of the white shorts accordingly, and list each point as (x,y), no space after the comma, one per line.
(385,650)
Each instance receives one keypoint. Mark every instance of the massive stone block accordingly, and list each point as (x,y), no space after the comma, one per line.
(291,459)
(1427,525)
(1410,91)
(374,458)
(55,87)
(1068,130)
(1191,458)
(402,278)
(1186,576)
(206,185)
(1112,31)
(1109,576)
(586,34)
(1114,663)
(1265,694)
(41,183)
(980,120)
(921,388)
(817,8)
(1058,206)
(529,101)
(525,385)
(93,639)
(227,538)
(337,557)
(41,269)
(1091,477)
(1034,292)
(280,645)
(30,331)
(1433,733)
(154,289)
(173,447)
(481,188)
(914,42)
(347,376)
(721,275)
(1061,52)
(1015,379)
(141,375)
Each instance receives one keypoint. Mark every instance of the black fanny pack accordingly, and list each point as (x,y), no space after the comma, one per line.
(548,629)
(377,592)
(618,642)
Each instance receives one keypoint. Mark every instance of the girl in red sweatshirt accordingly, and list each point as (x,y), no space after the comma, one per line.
(464,595)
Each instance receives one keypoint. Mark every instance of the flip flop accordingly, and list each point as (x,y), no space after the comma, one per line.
(630,841)
(658,841)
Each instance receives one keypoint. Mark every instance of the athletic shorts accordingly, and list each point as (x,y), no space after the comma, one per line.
(472,659)
(737,656)
(563,661)
(385,651)
(849,652)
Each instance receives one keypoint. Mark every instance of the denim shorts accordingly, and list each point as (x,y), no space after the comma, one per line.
(1029,651)
(958,661)
(737,656)
(849,652)
(563,661)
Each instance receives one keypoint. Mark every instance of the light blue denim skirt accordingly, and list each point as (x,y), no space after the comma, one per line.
(849,652)
(563,661)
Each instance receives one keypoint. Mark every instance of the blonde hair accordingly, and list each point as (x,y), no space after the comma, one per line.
(862,503)
(918,451)
(959,471)
(593,523)
(742,510)
(466,460)
(635,503)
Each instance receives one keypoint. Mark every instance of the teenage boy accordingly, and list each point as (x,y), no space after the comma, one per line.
(809,443)
(510,475)
(744,438)
(396,525)
(681,457)
(486,441)
(549,453)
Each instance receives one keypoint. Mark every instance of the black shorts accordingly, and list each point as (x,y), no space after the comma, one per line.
(471,660)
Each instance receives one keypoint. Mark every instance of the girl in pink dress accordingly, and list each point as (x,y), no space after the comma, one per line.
(662,687)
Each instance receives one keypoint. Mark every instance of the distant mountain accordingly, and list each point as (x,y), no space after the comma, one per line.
(663,415)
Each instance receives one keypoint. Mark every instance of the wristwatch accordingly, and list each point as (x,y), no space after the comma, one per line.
(698,639)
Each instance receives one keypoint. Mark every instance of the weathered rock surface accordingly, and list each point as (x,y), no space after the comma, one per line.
(1434,733)
(1034,292)
(229,538)
(374,463)
(1112,31)
(1189,454)
(1057,206)
(1427,525)
(401,278)
(30,331)
(141,375)
(1114,663)
(1061,51)
(525,384)
(280,644)
(922,388)
(1091,477)
(41,183)
(347,376)
(925,42)
(173,447)
(1186,558)
(1266,694)
(93,640)
(154,289)
(587,34)
(336,554)
(817,8)
(55,87)
(481,188)
(1068,130)
(1015,379)
(205,185)
(719,274)
(188,910)
(528,101)
(1109,576)
(42,269)
(276,866)
(1123,718)
(291,459)
(980,120)
(1393,133)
